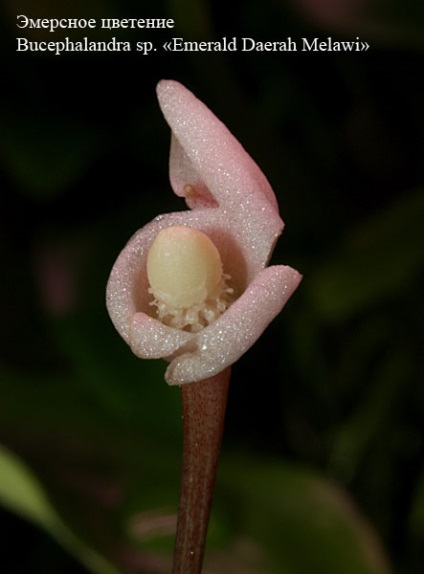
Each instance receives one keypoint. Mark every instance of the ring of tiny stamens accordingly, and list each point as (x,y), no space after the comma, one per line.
(196,317)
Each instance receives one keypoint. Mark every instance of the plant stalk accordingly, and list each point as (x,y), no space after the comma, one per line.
(203,406)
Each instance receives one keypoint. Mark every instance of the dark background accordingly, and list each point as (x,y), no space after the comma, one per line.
(332,394)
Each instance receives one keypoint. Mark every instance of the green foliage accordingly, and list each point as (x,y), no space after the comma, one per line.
(22,493)
(300,521)
(378,262)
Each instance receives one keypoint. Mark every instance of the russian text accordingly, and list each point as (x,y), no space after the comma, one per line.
(152,23)
(52,24)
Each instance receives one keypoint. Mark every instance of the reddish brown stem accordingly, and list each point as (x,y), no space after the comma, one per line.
(204,406)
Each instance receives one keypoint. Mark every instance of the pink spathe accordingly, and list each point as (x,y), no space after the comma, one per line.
(231,201)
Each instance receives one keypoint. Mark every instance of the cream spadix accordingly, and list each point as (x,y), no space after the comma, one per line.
(185,273)
(183,267)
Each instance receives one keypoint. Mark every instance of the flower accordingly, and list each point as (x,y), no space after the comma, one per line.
(231,203)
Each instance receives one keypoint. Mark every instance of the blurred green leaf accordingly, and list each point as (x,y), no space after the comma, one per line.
(21,492)
(269,518)
(378,260)
(302,522)
(372,417)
